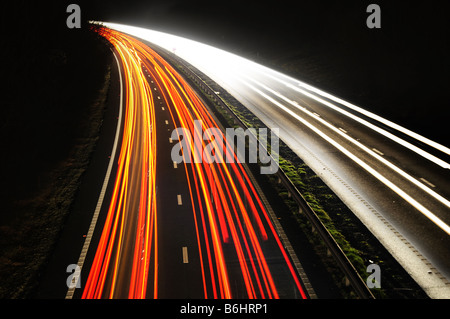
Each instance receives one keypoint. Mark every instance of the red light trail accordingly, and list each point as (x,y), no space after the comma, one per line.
(231,220)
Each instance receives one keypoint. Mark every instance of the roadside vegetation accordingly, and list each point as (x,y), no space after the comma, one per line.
(51,114)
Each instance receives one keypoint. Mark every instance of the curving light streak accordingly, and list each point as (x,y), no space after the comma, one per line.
(223,198)
(377,129)
(230,219)
(128,243)
(214,200)
(411,179)
(376,117)
(220,65)
(426,212)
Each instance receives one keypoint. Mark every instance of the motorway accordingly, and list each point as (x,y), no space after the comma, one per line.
(165,229)
(394,180)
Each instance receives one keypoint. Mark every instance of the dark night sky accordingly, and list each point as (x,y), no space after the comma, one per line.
(409,54)
(416,29)
(414,35)
(399,71)
(407,27)
(402,21)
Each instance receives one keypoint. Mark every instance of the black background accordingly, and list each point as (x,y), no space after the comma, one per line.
(399,71)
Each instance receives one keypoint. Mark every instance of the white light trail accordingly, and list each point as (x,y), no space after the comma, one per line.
(436,220)
(375,153)
(378,118)
(391,136)
(220,65)
(223,66)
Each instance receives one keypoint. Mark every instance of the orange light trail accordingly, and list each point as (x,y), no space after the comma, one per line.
(130,230)
(230,219)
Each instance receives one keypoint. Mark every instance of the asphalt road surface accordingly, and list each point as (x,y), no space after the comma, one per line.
(168,229)
(394,180)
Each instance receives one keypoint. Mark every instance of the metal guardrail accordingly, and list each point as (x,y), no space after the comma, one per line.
(350,272)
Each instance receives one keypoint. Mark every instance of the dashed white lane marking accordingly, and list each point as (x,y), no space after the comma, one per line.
(185,255)
(377,151)
(427,182)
